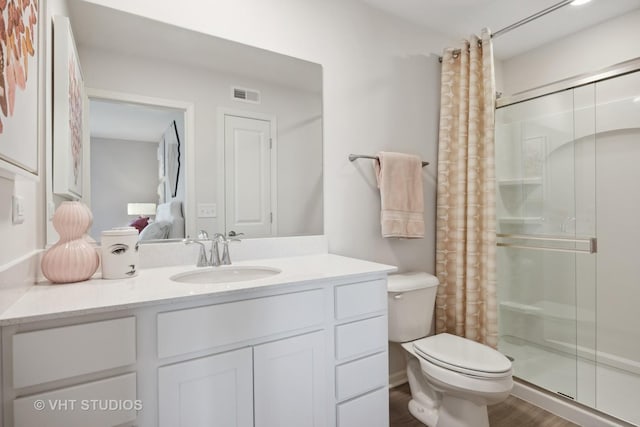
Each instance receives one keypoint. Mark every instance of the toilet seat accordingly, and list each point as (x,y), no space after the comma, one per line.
(463,356)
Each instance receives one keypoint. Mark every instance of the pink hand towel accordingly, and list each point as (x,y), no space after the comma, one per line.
(399,179)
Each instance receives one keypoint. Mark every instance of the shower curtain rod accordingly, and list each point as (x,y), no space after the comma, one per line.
(523,21)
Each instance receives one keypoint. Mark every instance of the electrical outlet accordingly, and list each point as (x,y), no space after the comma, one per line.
(207,210)
(17,209)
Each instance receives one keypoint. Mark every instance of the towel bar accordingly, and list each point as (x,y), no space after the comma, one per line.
(352,157)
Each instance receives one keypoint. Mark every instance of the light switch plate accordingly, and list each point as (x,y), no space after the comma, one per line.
(207,210)
(17,209)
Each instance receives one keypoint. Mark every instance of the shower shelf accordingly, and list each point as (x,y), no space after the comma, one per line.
(522,308)
(521,220)
(550,310)
(520,181)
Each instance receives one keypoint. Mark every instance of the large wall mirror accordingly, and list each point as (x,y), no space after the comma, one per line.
(195,131)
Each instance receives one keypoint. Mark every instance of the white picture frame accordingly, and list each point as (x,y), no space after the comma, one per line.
(21,97)
(68,113)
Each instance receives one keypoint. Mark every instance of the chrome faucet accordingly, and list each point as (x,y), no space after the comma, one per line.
(215,260)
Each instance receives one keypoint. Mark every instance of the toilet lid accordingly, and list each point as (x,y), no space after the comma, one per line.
(462,355)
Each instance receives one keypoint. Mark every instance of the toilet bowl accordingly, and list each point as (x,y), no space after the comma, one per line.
(452,379)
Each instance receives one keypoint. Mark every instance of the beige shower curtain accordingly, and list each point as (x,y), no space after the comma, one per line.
(466,224)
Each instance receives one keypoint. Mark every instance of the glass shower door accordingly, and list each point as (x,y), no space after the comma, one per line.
(545,158)
(618,269)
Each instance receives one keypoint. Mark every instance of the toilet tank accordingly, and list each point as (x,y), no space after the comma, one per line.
(411,298)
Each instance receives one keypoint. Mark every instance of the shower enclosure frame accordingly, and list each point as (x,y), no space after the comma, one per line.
(575,408)
(613,71)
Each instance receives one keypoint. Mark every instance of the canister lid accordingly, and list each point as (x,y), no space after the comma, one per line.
(120,231)
(411,281)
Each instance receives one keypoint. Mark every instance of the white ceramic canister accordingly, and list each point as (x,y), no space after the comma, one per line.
(119,253)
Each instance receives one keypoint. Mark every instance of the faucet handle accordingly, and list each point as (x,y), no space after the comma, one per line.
(234,234)
(226,257)
(203,235)
(202,255)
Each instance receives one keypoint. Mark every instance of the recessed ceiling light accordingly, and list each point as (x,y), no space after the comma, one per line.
(579,2)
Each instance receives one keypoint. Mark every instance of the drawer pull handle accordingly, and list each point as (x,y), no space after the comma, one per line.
(398,296)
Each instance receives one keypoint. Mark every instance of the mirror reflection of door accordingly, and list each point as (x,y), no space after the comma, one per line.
(250,154)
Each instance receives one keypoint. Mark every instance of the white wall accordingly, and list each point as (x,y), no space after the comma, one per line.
(121,172)
(20,239)
(598,47)
(299,129)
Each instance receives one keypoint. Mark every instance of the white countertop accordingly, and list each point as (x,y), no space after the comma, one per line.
(151,286)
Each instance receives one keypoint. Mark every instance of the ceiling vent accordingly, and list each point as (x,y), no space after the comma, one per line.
(245,95)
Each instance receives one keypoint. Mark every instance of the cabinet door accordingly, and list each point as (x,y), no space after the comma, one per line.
(290,382)
(207,392)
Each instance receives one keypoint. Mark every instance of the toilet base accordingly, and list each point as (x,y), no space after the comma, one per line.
(452,412)
(457,412)
(427,416)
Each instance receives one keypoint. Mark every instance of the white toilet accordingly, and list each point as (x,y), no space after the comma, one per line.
(452,379)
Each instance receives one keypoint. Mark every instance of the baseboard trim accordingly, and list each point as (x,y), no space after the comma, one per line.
(397,379)
(569,410)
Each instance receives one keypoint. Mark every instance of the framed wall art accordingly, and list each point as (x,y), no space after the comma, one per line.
(68,112)
(171,141)
(20,82)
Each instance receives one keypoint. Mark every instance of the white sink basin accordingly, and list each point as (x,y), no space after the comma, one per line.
(225,274)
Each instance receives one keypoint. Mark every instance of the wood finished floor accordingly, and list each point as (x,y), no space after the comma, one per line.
(513,412)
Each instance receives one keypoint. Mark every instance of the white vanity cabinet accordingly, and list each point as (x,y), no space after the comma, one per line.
(293,355)
(218,387)
(280,383)
(276,381)
(290,383)
(361,354)
(57,376)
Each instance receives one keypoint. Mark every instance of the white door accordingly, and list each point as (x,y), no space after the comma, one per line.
(290,382)
(207,392)
(248,176)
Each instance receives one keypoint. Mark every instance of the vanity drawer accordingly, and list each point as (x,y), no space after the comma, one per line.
(201,328)
(361,376)
(360,298)
(361,338)
(57,353)
(371,410)
(74,406)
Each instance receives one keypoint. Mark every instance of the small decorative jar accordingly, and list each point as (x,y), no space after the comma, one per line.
(119,253)
(72,258)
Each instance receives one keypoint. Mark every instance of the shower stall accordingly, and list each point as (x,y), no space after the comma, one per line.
(568,208)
